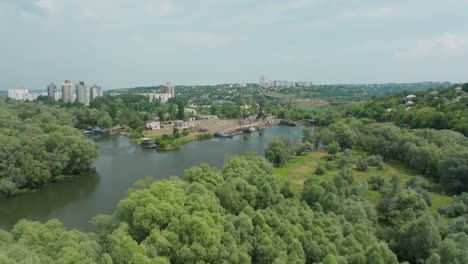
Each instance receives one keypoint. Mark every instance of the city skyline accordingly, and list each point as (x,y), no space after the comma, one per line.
(122,44)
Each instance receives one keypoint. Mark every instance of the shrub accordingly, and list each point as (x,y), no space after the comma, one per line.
(186,132)
(320,170)
(330,165)
(377,183)
(343,162)
(374,160)
(333,147)
(361,164)
(380,166)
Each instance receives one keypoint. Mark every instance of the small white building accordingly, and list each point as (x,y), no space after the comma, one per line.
(410,97)
(190,111)
(208,117)
(152,125)
(186,124)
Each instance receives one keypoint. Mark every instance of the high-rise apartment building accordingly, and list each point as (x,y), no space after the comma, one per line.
(170,89)
(67,92)
(82,93)
(94,91)
(51,90)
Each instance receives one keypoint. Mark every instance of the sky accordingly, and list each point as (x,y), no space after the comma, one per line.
(126,43)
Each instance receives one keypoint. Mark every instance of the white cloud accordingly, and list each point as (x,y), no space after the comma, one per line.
(374,13)
(49,6)
(189,39)
(158,8)
(445,44)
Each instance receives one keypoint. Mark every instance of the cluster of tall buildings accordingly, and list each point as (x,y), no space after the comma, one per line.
(71,93)
(23,94)
(284,84)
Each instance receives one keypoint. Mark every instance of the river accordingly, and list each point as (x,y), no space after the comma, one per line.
(74,202)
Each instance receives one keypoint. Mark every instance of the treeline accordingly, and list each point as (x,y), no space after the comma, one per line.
(38,145)
(439,155)
(437,108)
(405,221)
(403,216)
(238,214)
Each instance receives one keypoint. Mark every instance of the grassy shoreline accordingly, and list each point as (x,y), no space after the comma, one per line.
(169,142)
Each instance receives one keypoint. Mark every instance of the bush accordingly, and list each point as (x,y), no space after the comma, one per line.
(455,210)
(342,162)
(418,182)
(377,183)
(333,147)
(186,132)
(380,166)
(320,170)
(7,188)
(426,195)
(330,165)
(347,154)
(361,164)
(374,160)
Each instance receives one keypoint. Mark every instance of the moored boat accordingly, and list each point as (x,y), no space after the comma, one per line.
(222,134)
(250,130)
(94,131)
(148,143)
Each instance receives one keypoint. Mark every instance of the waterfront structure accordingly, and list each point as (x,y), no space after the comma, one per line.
(170,89)
(94,91)
(152,125)
(82,93)
(186,124)
(67,92)
(51,90)
(207,117)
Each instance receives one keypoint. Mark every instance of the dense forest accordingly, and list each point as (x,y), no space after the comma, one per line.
(39,144)
(443,108)
(243,212)
(238,214)
(405,216)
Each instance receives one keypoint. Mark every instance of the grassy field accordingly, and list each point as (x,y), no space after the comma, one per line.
(303,167)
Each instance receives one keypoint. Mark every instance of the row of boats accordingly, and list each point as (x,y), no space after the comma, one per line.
(150,143)
(223,134)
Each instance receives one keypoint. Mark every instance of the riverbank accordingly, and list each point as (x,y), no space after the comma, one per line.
(165,139)
(121,162)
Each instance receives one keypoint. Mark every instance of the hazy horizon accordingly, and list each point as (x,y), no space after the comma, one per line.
(118,44)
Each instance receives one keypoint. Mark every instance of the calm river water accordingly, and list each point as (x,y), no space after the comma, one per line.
(120,164)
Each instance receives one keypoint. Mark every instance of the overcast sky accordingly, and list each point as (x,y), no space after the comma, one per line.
(122,43)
